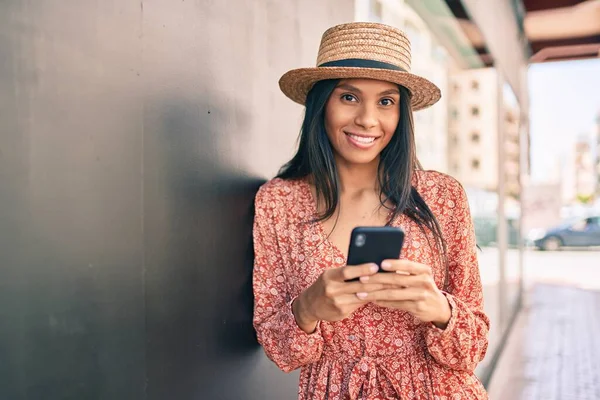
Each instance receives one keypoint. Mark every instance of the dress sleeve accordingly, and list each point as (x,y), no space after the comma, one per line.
(284,342)
(463,344)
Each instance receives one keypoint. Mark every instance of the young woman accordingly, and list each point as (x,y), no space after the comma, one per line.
(418,333)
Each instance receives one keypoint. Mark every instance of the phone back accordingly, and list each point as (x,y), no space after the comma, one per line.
(374,244)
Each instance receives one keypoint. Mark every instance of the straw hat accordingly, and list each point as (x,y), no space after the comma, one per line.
(362,50)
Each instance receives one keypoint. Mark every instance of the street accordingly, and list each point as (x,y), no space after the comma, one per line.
(574,268)
(551,352)
(578,268)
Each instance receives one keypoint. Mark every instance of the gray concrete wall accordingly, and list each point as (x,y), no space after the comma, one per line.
(133,136)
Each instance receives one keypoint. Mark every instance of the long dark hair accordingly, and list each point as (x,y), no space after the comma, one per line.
(398,161)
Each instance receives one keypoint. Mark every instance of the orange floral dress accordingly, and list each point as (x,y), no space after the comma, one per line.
(376,353)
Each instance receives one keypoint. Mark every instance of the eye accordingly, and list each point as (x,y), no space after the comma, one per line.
(386,102)
(348,97)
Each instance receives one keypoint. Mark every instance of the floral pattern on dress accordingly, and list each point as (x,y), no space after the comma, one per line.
(375,353)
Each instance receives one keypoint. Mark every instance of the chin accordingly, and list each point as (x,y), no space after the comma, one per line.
(353,158)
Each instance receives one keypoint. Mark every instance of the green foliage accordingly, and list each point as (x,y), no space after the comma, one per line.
(585,198)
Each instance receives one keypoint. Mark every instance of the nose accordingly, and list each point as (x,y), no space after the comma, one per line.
(366,116)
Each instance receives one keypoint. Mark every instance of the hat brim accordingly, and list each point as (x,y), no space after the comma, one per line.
(296,83)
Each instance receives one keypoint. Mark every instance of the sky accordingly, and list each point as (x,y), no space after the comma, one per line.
(564,104)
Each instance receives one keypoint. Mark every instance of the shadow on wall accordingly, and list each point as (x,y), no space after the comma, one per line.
(126,218)
(198,249)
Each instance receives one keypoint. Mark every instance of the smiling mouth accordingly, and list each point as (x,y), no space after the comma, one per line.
(361,139)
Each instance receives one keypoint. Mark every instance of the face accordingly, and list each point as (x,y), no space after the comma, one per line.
(361,117)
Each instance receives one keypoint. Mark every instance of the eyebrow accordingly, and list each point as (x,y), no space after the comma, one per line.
(355,89)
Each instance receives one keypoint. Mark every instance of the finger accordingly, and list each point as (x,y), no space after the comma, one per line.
(405,305)
(357,287)
(412,294)
(410,267)
(397,280)
(350,272)
(347,299)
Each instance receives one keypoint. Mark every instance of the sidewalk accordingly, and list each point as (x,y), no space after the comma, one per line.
(553,351)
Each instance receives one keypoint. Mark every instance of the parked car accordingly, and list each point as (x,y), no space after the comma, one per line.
(581,233)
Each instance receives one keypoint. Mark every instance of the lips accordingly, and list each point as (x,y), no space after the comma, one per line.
(361,141)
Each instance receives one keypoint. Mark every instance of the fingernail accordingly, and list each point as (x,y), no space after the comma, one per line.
(361,295)
(374,268)
(364,279)
(386,265)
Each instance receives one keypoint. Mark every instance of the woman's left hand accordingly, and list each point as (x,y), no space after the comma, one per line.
(410,287)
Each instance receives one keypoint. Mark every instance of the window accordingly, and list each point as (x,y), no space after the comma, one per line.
(475,111)
(510,117)
(593,221)
(454,113)
(475,163)
(475,137)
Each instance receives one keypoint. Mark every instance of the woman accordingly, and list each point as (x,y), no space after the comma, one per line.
(415,334)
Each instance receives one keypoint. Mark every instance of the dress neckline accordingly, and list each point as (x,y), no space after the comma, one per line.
(318,225)
(305,185)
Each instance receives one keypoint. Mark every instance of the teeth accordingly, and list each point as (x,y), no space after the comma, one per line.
(361,139)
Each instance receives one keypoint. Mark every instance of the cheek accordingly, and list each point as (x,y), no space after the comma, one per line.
(389,126)
(334,121)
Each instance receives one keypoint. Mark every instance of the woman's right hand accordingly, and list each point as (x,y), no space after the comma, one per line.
(332,297)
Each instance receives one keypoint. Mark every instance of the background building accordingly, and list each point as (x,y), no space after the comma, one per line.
(541,206)
(584,168)
(512,163)
(597,153)
(478,113)
(473,131)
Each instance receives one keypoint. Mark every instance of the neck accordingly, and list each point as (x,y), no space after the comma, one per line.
(358,177)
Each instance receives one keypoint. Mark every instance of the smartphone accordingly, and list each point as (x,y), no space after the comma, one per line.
(374,244)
